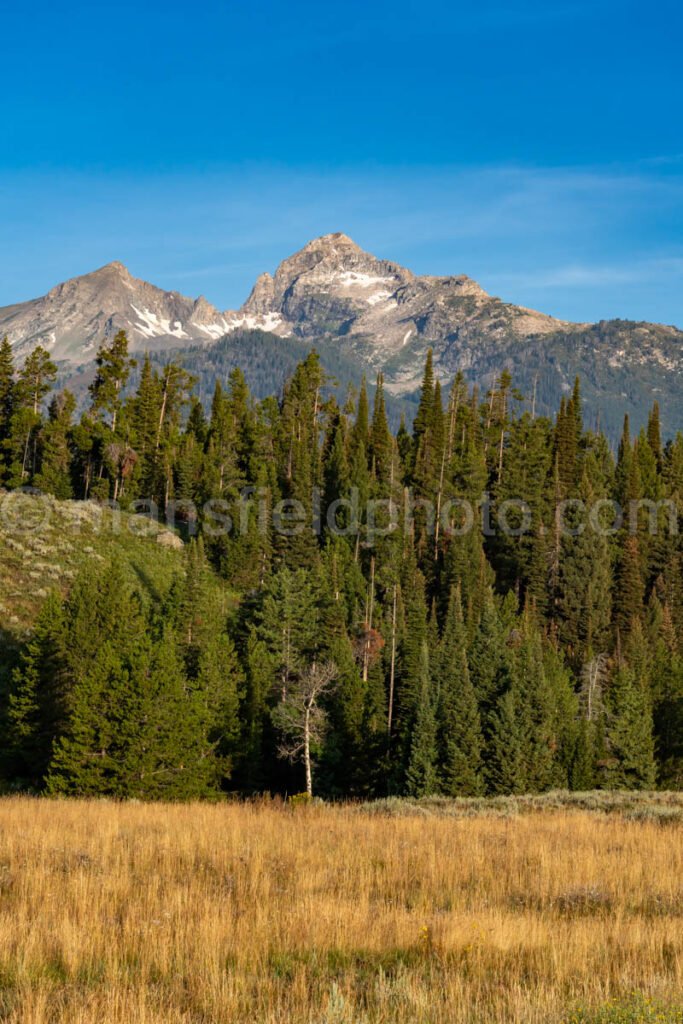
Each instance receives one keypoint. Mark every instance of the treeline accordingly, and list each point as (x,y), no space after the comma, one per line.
(267,361)
(428,658)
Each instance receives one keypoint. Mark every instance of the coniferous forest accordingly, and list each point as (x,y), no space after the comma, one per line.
(486,602)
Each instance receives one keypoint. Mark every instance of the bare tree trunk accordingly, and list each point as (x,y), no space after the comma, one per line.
(438,505)
(162,412)
(315,408)
(284,675)
(25,458)
(502,439)
(307,751)
(500,455)
(392,670)
(453,406)
(371,606)
(489,419)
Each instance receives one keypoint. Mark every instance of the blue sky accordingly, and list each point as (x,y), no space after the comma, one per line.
(537,147)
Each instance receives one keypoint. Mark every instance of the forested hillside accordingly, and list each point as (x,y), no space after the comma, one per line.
(489,602)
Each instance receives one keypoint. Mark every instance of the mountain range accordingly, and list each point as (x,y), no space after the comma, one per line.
(364,315)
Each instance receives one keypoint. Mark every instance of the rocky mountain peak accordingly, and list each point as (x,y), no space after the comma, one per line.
(334,264)
(117,267)
(369,311)
(202,310)
(262,297)
(335,242)
(114,271)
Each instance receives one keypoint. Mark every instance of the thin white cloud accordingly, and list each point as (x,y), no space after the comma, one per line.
(594,275)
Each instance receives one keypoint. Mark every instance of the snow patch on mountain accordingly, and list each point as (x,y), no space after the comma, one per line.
(154,326)
(354,278)
(265,322)
(215,331)
(377,297)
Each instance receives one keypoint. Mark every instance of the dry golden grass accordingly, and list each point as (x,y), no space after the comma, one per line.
(150,914)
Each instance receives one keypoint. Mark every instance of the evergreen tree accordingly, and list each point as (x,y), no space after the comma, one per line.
(37,705)
(466,656)
(508,745)
(631,763)
(584,581)
(425,409)
(7,392)
(381,445)
(55,456)
(33,384)
(460,737)
(654,435)
(113,369)
(422,774)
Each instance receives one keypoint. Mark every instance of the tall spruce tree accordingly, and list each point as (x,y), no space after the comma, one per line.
(422,773)
(631,763)
(55,456)
(460,736)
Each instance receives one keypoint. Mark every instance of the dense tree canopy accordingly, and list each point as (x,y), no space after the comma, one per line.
(490,622)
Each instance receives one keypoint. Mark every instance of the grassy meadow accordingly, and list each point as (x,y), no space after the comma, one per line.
(544,910)
(45,543)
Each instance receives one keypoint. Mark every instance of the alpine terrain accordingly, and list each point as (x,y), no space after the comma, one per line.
(364,315)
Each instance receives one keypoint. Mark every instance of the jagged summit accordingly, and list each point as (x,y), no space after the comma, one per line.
(117,266)
(113,269)
(371,312)
(336,241)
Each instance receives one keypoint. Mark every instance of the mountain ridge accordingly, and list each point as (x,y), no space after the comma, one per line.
(359,287)
(375,314)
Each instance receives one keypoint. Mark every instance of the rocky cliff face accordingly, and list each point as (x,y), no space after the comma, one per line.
(331,289)
(374,315)
(74,318)
(385,315)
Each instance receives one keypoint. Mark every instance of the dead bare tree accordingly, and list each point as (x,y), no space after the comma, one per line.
(593,679)
(299,717)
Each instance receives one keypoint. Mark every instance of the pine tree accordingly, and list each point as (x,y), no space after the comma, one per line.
(460,737)
(630,734)
(33,384)
(143,413)
(654,435)
(172,755)
(410,655)
(507,746)
(568,431)
(422,775)
(299,453)
(425,409)
(134,724)
(488,660)
(55,456)
(624,466)
(37,704)
(360,433)
(113,369)
(381,445)
(584,583)
(629,589)
(337,517)
(106,658)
